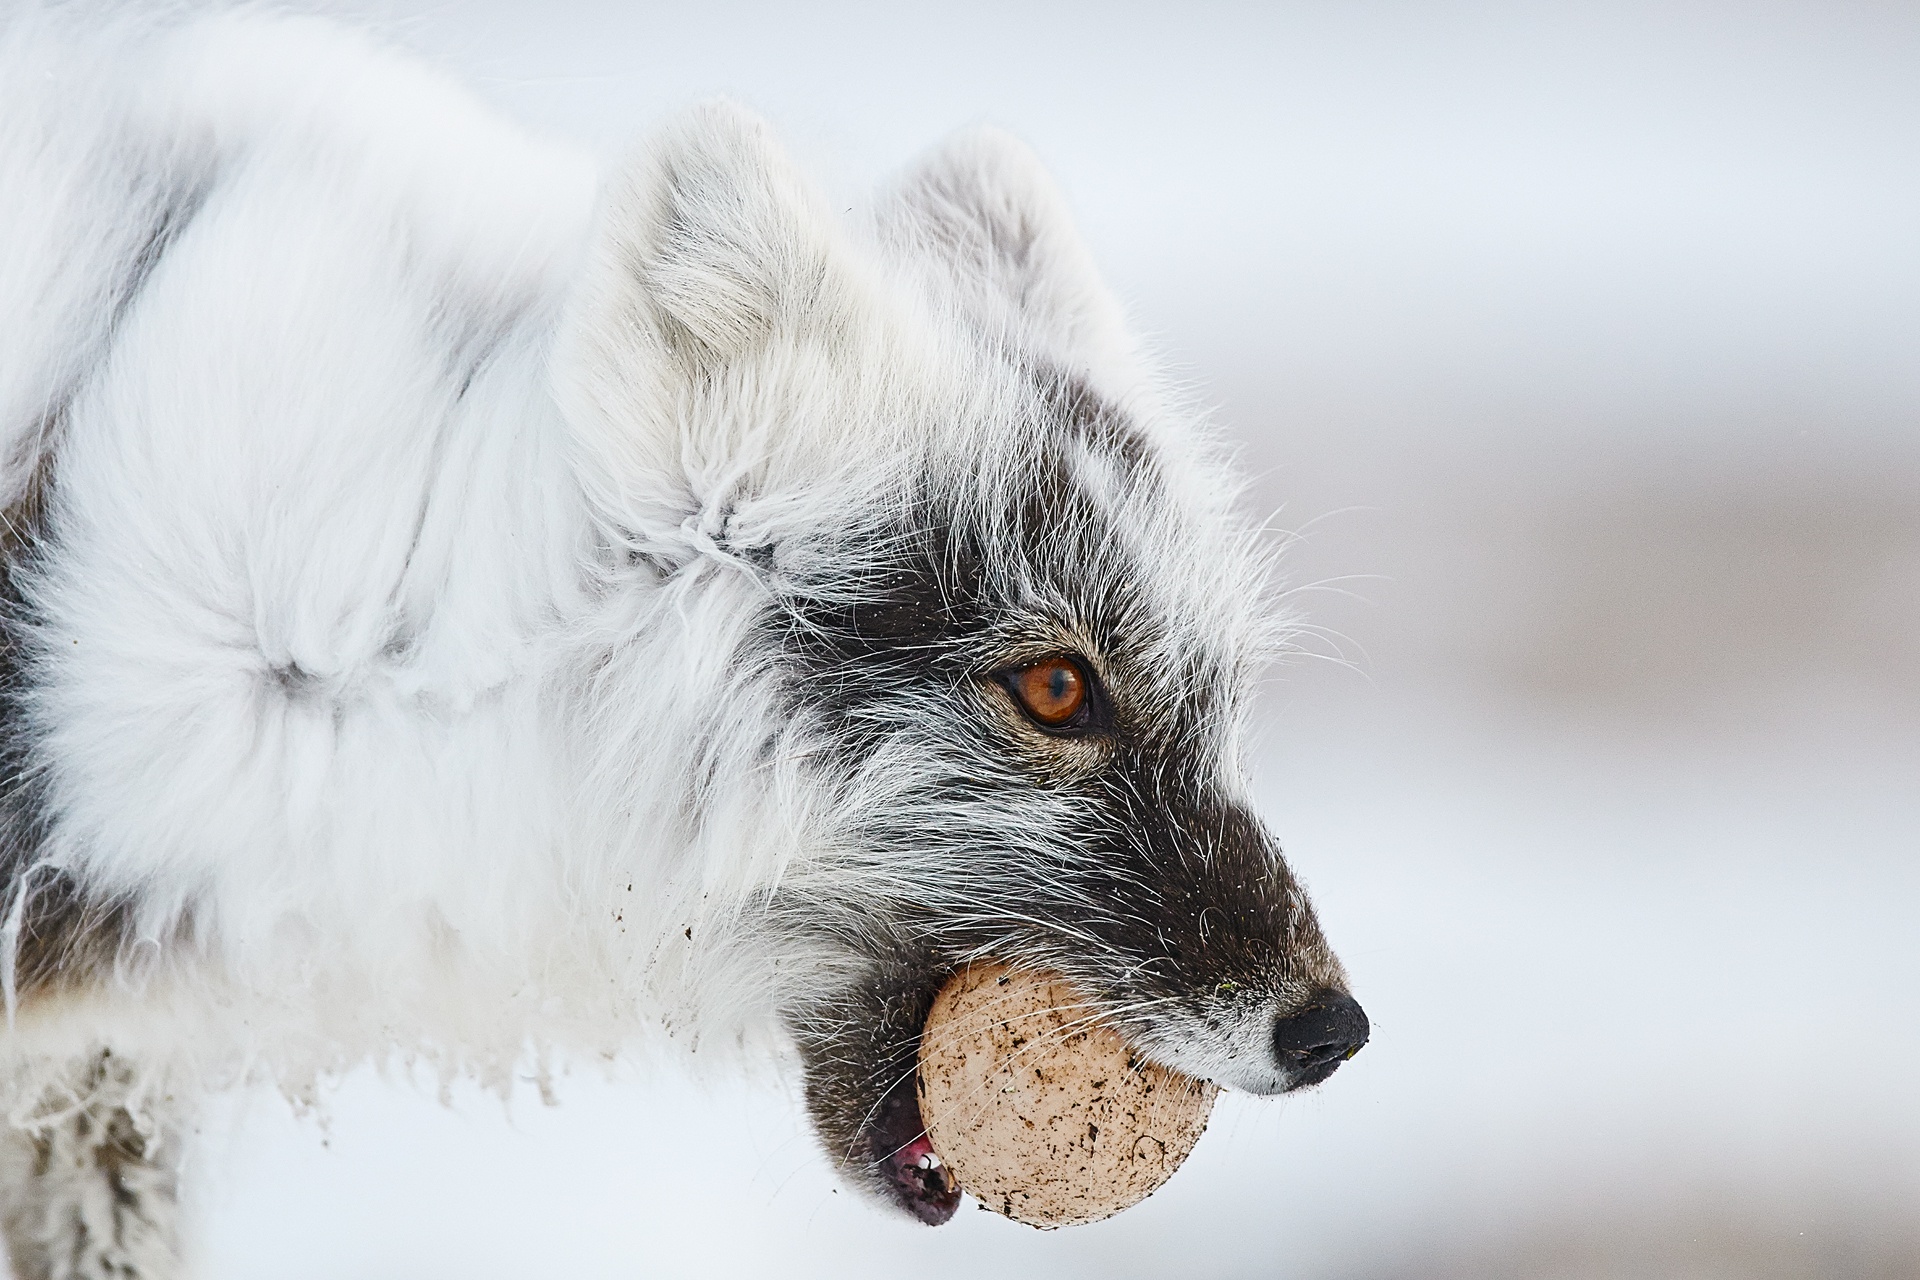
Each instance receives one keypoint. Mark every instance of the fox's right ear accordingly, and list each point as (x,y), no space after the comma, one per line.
(710,246)
(984,213)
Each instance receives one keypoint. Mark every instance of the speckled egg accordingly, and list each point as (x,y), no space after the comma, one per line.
(1042,1111)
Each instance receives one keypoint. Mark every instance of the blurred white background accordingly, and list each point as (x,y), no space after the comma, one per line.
(1581,342)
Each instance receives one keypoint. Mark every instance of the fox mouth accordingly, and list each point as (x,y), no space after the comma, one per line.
(862,1077)
(862,1059)
(894,1144)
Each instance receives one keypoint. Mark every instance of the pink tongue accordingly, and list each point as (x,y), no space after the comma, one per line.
(914,1152)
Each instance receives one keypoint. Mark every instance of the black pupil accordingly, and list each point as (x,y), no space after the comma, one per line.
(1059,682)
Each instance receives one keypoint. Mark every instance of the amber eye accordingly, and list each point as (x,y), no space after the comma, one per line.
(1053,692)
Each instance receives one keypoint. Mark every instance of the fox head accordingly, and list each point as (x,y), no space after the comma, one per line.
(972,622)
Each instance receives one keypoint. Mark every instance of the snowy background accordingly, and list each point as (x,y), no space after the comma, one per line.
(1581,342)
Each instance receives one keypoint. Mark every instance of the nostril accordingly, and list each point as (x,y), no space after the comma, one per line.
(1315,1039)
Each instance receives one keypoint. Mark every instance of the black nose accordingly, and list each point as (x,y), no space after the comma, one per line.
(1312,1042)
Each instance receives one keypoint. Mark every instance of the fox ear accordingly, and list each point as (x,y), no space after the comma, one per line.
(711,240)
(710,248)
(983,211)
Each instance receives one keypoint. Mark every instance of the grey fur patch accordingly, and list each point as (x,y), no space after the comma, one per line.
(64,937)
(1082,412)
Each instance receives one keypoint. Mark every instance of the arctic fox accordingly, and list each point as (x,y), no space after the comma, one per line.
(461,605)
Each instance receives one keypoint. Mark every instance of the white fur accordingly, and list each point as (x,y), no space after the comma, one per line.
(276,469)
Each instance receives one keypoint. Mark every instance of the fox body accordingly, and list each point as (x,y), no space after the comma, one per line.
(463,605)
